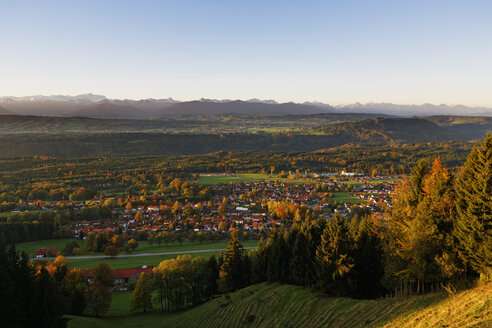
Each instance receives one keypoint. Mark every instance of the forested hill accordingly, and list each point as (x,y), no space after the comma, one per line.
(405,130)
(362,134)
(242,107)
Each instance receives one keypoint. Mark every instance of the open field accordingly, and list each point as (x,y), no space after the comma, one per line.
(244,177)
(372,181)
(8,214)
(131,262)
(344,197)
(143,248)
(275,305)
(31,246)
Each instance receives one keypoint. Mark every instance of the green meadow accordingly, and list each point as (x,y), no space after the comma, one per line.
(204,250)
(245,177)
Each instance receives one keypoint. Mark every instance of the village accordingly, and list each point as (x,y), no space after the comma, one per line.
(251,207)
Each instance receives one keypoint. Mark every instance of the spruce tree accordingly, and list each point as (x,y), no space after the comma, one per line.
(212,277)
(368,267)
(48,310)
(334,258)
(474,209)
(231,272)
(300,261)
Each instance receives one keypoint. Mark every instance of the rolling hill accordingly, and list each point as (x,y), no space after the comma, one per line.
(378,132)
(241,107)
(404,130)
(275,305)
(106,109)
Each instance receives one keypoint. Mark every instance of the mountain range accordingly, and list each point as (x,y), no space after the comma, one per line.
(98,106)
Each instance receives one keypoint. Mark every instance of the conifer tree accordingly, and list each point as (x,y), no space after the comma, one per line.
(368,267)
(48,311)
(474,209)
(334,257)
(421,227)
(142,295)
(213,276)
(300,261)
(231,272)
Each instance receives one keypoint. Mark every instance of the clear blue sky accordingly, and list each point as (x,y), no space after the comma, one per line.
(338,52)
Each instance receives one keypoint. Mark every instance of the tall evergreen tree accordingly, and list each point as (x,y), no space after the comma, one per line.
(212,277)
(368,266)
(300,261)
(420,227)
(473,228)
(231,272)
(48,311)
(334,258)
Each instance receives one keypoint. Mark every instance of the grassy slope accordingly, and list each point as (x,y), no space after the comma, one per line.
(274,305)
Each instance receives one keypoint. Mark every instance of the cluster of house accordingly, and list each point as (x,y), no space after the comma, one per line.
(235,205)
(123,276)
(376,195)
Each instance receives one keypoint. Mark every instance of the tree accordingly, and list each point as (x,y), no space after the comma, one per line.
(74,286)
(420,228)
(118,241)
(300,260)
(98,299)
(133,243)
(68,249)
(474,209)
(180,238)
(334,257)
(139,216)
(368,256)
(233,275)
(104,275)
(213,276)
(142,295)
(48,302)
(111,251)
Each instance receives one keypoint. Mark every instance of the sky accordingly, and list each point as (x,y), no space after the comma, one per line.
(337,52)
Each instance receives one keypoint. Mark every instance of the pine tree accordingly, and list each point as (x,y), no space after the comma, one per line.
(212,277)
(48,302)
(142,295)
(300,260)
(474,209)
(368,267)
(231,272)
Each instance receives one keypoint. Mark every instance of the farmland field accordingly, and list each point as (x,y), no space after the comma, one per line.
(31,246)
(244,177)
(128,262)
(344,197)
(143,246)
(372,181)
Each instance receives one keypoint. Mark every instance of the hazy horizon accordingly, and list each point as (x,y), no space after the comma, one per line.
(339,53)
(236,99)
